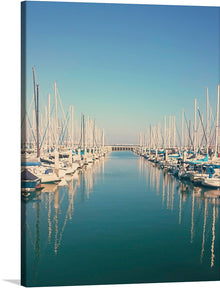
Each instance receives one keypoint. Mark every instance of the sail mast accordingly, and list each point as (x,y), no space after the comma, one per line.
(37,121)
(36,102)
(207,118)
(217,120)
(195,124)
(72,126)
(182,130)
(56,118)
(103,138)
(165,132)
(49,130)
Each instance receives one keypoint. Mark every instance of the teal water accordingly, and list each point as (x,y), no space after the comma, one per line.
(121,220)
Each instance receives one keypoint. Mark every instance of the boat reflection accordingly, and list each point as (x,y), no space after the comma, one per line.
(191,201)
(56,204)
(49,213)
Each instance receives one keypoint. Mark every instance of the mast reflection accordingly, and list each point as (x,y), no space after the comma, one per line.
(202,202)
(213,236)
(203,233)
(56,203)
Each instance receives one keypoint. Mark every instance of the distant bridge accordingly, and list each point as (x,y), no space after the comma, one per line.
(123,147)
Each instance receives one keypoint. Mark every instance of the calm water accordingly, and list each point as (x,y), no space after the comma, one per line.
(121,220)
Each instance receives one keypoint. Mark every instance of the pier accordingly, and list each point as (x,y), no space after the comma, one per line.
(123,147)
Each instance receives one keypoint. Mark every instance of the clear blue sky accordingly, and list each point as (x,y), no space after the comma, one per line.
(125,65)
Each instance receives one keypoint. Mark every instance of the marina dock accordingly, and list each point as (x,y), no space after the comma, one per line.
(84,199)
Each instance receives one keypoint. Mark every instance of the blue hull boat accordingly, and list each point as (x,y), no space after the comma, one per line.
(29,182)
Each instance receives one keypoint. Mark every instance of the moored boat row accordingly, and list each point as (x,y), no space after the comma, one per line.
(194,155)
(55,146)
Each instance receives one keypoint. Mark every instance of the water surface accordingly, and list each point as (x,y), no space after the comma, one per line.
(121,220)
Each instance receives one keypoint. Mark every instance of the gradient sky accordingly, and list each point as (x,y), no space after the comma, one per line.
(125,65)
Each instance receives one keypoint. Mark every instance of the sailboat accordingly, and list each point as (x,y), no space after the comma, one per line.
(29,181)
(46,174)
(214,180)
(211,182)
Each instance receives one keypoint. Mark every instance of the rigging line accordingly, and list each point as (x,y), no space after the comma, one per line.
(34,84)
(188,129)
(28,111)
(94,138)
(64,131)
(212,116)
(212,133)
(31,129)
(44,135)
(42,98)
(96,142)
(213,123)
(197,129)
(161,133)
(178,134)
(80,141)
(60,134)
(24,117)
(212,137)
(155,135)
(202,127)
(46,129)
(61,105)
(203,135)
(84,136)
